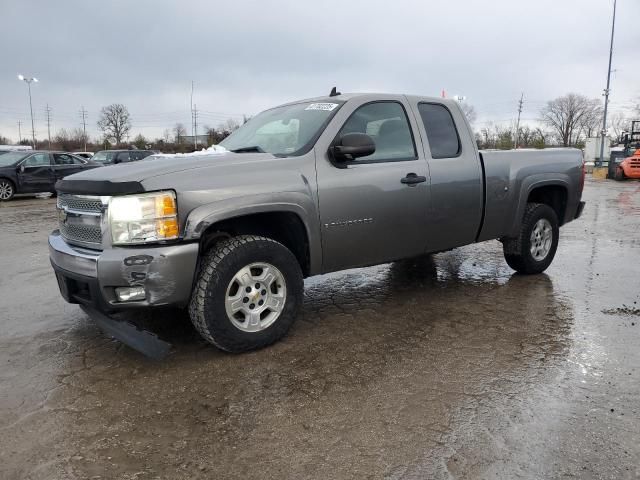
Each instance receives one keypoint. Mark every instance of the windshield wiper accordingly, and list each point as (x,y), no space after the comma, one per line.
(253,148)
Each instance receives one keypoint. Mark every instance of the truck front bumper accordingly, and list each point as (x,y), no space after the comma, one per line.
(90,277)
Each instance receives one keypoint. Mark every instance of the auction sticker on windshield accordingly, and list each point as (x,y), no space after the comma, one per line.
(322,106)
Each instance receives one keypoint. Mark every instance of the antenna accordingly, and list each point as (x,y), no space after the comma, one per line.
(334,92)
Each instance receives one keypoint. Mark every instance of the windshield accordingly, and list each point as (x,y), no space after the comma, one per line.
(11,158)
(105,156)
(289,130)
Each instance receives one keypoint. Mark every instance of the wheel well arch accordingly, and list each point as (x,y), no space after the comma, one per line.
(556,196)
(283,226)
(11,181)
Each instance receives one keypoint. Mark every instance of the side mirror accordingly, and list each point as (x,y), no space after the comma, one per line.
(21,168)
(352,145)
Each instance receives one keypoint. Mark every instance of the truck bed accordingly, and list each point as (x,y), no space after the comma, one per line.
(511,174)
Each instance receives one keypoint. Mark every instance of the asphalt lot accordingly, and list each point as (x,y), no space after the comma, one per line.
(444,367)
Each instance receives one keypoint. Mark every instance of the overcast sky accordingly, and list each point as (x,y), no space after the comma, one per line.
(246,56)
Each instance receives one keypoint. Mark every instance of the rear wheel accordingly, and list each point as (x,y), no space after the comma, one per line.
(619,175)
(534,248)
(248,293)
(7,189)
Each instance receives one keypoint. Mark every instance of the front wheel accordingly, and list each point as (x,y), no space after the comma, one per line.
(7,189)
(534,248)
(248,293)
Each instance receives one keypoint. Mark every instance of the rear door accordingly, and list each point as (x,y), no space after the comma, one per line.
(66,164)
(367,214)
(456,175)
(138,155)
(35,173)
(122,157)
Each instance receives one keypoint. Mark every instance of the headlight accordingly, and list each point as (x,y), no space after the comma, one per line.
(148,217)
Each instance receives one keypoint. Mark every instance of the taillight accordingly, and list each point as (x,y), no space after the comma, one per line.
(584,171)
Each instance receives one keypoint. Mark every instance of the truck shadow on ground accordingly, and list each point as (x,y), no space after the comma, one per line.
(394,302)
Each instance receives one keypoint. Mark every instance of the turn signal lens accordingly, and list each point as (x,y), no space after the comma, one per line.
(166,206)
(167,228)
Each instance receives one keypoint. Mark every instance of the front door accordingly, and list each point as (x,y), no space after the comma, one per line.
(66,164)
(368,213)
(35,173)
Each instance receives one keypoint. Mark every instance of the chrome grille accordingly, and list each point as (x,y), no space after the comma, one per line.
(80,219)
(80,203)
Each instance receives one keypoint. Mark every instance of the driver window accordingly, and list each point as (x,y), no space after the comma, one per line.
(64,159)
(387,124)
(37,160)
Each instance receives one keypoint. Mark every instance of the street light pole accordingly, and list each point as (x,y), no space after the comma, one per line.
(28,82)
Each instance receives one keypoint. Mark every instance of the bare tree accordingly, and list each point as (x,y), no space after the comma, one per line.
(591,122)
(166,135)
(114,122)
(618,123)
(179,132)
(4,140)
(571,116)
(469,112)
(229,125)
(79,136)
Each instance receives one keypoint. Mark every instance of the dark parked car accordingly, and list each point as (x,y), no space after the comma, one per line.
(32,172)
(110,157)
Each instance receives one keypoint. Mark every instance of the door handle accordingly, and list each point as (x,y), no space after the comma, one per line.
(413,179)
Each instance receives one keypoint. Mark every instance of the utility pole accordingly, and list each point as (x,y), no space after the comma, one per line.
(47,111)
(19,132)
(83,114)
(195,127)
(606,91)
(515,142)
(191,104)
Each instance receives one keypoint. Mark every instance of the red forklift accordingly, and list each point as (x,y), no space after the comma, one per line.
(626,163)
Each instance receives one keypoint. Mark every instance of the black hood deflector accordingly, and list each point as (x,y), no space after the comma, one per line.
(98,187)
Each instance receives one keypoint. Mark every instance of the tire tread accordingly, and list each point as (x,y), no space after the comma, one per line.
(211,273)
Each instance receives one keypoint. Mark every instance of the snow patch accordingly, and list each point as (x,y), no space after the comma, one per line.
(212,150)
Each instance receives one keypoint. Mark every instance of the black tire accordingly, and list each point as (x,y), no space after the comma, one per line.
(619,175)
(218,267)
(517,251)
(7,189)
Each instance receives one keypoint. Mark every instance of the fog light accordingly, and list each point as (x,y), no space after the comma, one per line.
(130,294)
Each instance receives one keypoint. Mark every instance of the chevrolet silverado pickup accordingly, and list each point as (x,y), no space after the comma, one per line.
(305,188)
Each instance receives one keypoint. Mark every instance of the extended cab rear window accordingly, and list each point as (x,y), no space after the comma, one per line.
(442,134)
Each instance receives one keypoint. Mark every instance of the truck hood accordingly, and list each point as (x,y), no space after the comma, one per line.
(129,177)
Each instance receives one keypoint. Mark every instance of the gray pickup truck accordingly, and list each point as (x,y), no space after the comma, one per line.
(306,188)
